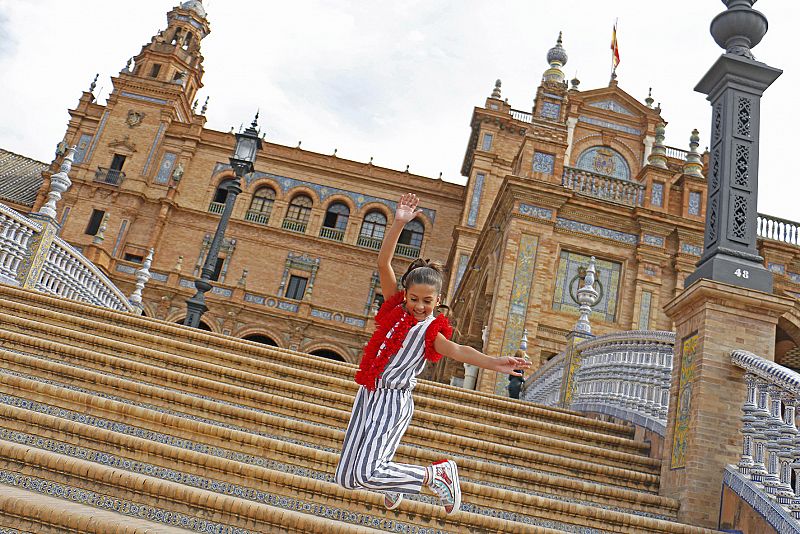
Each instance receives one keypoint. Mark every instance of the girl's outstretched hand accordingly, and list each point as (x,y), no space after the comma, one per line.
(511,365)
(406,208)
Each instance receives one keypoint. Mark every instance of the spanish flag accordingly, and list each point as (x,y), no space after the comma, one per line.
(614,48)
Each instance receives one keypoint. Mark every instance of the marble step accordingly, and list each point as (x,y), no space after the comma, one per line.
(564,516)
(592,463)
(277,382)
(152,333)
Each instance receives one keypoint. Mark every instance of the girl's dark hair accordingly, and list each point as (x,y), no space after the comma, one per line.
(426,272)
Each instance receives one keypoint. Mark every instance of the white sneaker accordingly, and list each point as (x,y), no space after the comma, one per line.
(392,499)
(444,481)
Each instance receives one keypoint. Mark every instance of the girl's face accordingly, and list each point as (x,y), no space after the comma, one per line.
(421,299)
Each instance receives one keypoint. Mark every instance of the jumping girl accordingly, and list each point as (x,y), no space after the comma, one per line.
(407,335)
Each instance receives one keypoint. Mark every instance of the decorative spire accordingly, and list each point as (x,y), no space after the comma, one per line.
(557,58)
(100,236)
(94,83)
(658,156)
(128,65)
(194,106)
(205,107)
(496,90)
(575,82)
(693,165)
(587,296)
(649,100)
(59,183)
(142,277)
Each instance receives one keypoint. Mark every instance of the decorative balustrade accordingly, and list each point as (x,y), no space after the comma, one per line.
(407,251)
(15,235)
(66,273)
(523,116)
(369,242)
(603,187)
(216,207)
(294,226)
(677,153)
(770,458)
(333,234)
(544,385)
(109,176)
(257,217)
(626,375)
(768,227)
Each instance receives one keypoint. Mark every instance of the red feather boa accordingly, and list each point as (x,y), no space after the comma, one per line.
(393,316)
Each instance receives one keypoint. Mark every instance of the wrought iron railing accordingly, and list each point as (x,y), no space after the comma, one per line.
(294,226)
(603,187)
(333,234)
(407,251)
(369,242)
(257,217)
(216,207)
(109,176)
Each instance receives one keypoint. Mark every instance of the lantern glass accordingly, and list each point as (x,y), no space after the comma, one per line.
(246,148)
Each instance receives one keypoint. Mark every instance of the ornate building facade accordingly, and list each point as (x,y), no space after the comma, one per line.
(581,174)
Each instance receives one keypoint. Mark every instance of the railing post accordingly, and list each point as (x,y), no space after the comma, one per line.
(749,408)
(771,434)
(786,444)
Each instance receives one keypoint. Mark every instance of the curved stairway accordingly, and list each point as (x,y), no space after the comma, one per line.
(169,429)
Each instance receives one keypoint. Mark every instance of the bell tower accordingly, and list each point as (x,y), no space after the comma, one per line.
(170,66)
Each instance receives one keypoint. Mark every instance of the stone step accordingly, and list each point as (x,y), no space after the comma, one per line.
(548,455)
(178,462)
(325,390)
(24,511)
(152,333)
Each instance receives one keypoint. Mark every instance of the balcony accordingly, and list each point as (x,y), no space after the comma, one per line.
(257,217)
(407,251)
(294,226)
(109,176)
(216,207)
(775,229)
(369,242)
(334,234)
(603,187)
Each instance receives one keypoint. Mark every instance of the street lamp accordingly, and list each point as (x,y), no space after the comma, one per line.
(248,144)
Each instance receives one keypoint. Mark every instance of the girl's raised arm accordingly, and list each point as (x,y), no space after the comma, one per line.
(406,211)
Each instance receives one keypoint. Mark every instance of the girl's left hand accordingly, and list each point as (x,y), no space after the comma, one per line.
(511,365)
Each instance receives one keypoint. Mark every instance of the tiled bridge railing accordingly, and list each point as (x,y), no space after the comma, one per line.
(770,460)
(625,375)
(65,272)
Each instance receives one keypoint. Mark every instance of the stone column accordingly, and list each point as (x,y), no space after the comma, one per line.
(707,392)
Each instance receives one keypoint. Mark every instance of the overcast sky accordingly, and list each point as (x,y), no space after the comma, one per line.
(395,80)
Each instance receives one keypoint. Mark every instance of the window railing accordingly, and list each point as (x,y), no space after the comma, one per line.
(603,187)
(216,207)
(109,176)
(333,234)
(369,242)
(294,226)
(257,217)
(407,251)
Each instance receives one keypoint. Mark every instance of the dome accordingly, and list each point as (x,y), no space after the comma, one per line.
(196,6)
(557,54)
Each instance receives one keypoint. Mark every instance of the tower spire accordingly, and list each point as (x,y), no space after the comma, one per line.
(557,58)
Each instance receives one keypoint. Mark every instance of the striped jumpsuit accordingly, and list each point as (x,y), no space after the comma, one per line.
(379,420)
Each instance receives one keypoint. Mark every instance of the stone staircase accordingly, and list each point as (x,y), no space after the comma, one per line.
(116,423)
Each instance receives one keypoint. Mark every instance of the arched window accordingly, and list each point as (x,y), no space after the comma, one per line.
(372,230)
(329,354)
(335,222)
(604,160)
(261,205)
(220,196)
(298,213)
(261,338)
(411,239)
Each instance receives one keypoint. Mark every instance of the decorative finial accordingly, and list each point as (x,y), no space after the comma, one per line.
(370,160)
(440,175)
(407,166)
(178,264)
(299,143)
(205,107)
(587,297)
(557,58)
(94,83)
(254,124)
(496,90)
(693,165)
(243,280)
(128,65)
(59,183)
(335,150)
(142,277)
(739,28)
(649,100)
(658,156)
(575,82)
(523,342)
(194,106)
(100,236)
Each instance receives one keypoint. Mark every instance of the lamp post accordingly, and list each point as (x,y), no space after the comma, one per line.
(248,144)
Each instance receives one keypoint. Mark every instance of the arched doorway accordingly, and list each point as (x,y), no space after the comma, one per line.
(328,353)
(261,338)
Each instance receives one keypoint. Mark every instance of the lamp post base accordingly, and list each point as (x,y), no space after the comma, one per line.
(196,306)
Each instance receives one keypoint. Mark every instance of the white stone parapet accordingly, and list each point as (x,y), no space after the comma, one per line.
(544,385)
(16,232)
